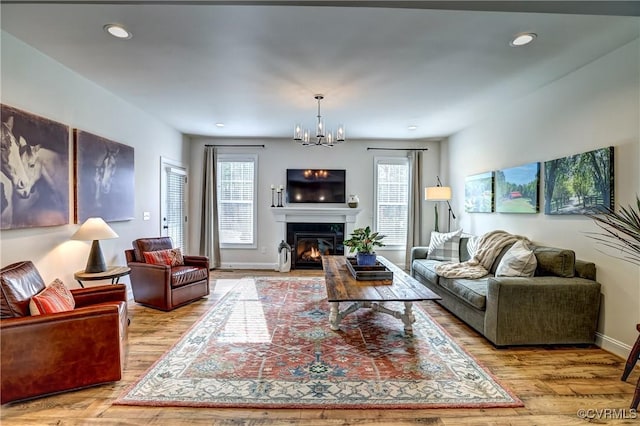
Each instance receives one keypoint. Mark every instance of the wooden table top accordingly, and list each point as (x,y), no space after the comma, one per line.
(342,287)
(111,272)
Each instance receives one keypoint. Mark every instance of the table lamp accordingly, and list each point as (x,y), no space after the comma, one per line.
(96,229)
(439,193)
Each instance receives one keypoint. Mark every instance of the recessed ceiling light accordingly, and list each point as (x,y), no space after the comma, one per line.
(118,31)
(219,124)
(412,127)
(522,39)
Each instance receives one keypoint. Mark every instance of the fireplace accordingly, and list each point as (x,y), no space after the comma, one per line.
(309,241)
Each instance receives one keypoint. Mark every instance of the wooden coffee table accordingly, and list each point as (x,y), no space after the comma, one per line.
(343,287)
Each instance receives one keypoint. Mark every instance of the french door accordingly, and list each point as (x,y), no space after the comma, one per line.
(174,203)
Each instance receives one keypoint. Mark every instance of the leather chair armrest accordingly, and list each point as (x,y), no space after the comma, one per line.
(58,319)
(200,261)
(99,294)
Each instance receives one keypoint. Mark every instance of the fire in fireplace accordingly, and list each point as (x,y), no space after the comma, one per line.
(310,241)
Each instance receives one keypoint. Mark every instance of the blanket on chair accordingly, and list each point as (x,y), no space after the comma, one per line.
(489,247)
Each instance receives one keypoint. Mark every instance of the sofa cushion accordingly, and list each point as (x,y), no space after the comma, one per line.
(473,291)
(19,282)
(55,298)
(555,262)
(518,261)
(427,269)
(445,246)
(169,257)
(182,275)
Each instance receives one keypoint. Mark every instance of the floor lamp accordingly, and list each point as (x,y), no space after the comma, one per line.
(440,193)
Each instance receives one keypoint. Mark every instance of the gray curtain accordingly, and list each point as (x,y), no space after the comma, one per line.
(209,238)
(414,224)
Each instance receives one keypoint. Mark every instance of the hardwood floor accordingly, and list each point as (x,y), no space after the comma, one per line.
(556,384)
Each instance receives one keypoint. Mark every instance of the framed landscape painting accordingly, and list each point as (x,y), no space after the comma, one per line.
(104,178)
(517,189)
(478,193)
(580,183)
(34,182)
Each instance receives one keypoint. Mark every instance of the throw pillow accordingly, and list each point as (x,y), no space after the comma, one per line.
(518,261)
(55,298)
(472,245)
(445,246)
(169,257)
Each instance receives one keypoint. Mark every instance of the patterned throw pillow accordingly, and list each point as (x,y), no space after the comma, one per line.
(518,261)
(472,246)
(169,257)
(445,246)
(55,298)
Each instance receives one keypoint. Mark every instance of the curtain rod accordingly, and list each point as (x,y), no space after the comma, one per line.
(240,146)
(398,149)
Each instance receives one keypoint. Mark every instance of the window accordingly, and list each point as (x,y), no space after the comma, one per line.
(392,199)
(236,177)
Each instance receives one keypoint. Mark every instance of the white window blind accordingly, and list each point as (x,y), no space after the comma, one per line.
(392,199)
(175,211)
(236,200)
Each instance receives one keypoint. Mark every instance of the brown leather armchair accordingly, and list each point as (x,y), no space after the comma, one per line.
(51,353)
(161,286)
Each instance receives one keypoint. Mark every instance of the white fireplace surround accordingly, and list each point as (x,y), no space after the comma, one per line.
(346,215)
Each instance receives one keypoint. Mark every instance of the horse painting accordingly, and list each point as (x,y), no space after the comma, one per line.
(105,170)
(35,170)
(45,164)
(11,164)
(105,183)
(14,179)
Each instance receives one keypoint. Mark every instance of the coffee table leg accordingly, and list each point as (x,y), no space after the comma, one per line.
(408,318)
(334,316)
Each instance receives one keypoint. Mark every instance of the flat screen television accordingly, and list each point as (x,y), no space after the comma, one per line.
(316,186)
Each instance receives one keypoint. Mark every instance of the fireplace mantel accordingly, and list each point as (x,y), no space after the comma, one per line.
(315,214)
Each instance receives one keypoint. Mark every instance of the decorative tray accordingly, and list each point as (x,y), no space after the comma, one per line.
(368,273)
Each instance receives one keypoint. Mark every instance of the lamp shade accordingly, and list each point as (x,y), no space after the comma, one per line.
(437,193)
(94,228)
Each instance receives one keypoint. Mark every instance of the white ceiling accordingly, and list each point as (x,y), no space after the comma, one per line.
(256,68)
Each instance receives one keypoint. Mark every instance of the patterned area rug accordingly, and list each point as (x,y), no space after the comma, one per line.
(267,344)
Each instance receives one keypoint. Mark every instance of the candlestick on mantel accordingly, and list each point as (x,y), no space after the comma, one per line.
(280,188)
(273,187)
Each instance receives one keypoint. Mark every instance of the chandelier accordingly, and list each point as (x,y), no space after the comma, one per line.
(323,136)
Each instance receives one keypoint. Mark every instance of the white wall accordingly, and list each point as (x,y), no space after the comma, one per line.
(596,106)
(37,84)
(275,159)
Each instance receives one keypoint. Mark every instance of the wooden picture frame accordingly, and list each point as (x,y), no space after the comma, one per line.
(104,178)
(34,181)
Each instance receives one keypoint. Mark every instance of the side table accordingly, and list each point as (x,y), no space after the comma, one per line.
(113,272)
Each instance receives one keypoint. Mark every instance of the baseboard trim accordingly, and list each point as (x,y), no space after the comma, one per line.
(612,345)
(243,265)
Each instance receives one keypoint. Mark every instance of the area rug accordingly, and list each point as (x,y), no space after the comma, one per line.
(267,344)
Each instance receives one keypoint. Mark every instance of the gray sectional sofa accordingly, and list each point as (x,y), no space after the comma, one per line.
(558,305)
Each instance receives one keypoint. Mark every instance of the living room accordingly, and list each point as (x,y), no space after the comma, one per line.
(593,106)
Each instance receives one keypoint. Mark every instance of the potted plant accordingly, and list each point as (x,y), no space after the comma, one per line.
(621,231)
(363,242)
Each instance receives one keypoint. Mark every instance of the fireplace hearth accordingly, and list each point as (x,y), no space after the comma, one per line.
(310,241)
